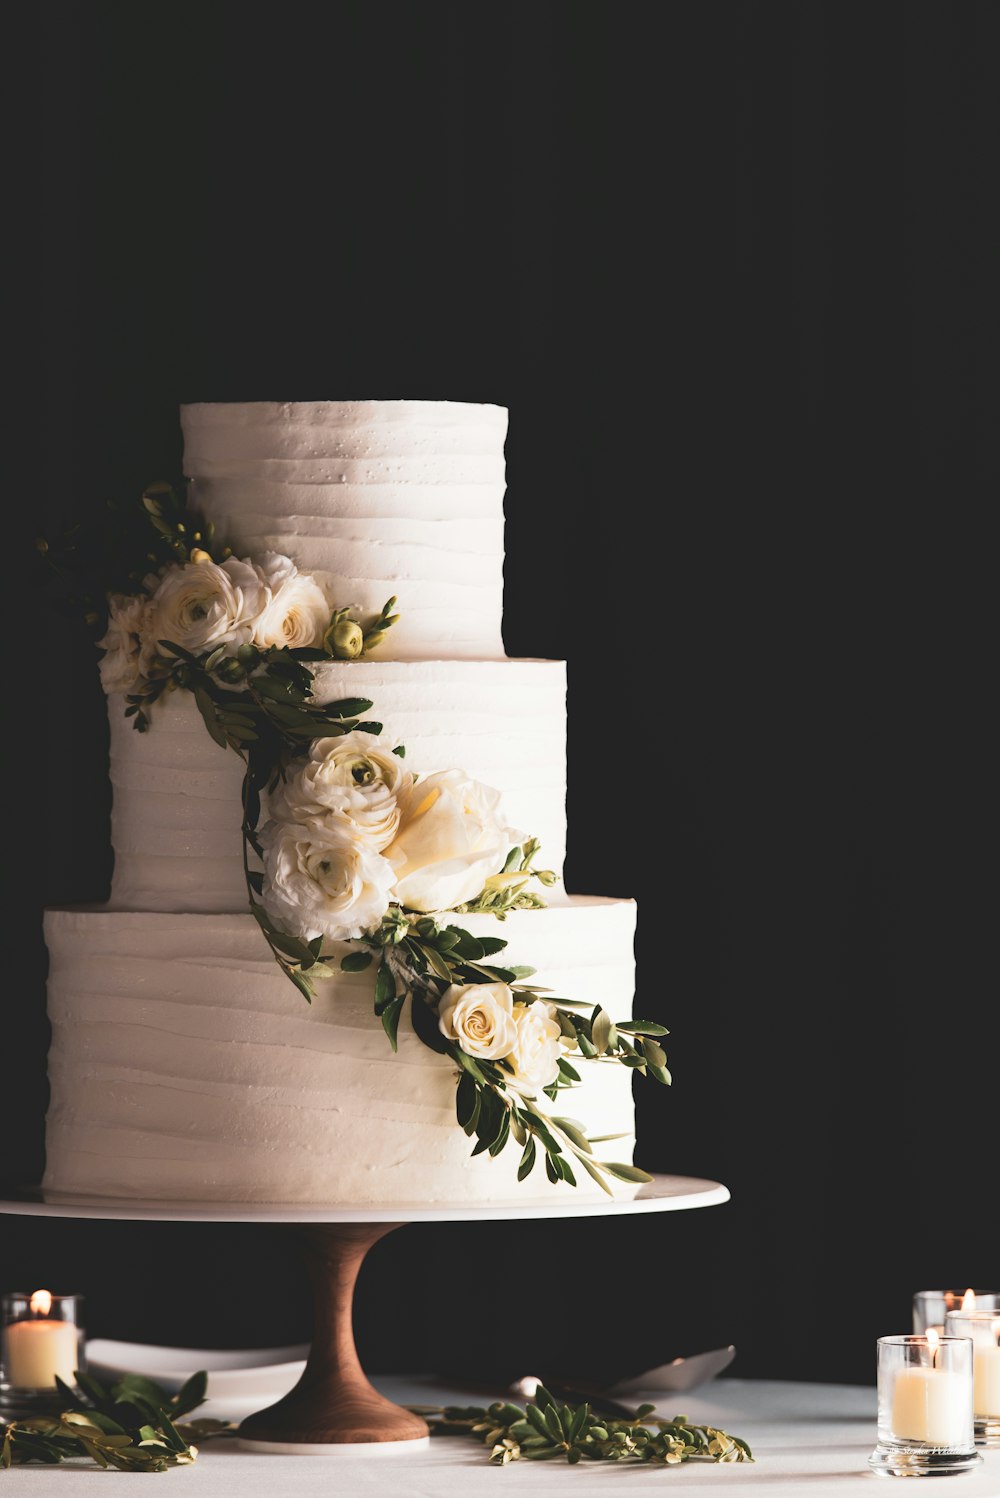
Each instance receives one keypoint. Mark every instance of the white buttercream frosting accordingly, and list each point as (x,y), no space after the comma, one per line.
(377,498)
(175,818)
(184,1066)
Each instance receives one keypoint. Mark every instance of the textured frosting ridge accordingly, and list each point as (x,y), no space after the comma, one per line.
(183,1066)
(374,497)
(175,821)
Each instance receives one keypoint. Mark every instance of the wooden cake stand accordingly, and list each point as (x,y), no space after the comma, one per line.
(333,1405)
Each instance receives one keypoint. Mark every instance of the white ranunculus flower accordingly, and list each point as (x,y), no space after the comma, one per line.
(202,605)
(536,1049)
(321,881)
(452,837)
(355,776)
(298,611)
(121,665)
(479,1017)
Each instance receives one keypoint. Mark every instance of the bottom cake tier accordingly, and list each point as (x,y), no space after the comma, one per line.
(183,1066)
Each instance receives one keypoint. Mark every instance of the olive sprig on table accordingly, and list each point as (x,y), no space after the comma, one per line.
(545,1430)
(134,1425)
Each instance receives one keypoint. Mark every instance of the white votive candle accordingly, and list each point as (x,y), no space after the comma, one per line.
(37,1350)
(930,1404)
(986,1381)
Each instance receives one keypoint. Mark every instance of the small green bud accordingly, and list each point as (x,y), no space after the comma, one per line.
(344,639)
(230,670)
(546,876)
(374,638)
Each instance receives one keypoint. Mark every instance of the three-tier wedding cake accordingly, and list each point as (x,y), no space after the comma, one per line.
(183,1065)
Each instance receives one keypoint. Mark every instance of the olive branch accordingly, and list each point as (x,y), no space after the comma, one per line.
(133,1425)
(545,1430)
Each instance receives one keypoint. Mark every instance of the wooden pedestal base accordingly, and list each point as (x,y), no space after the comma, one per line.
(333,1404)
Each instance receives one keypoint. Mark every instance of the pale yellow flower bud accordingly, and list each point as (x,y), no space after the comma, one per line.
(345,640)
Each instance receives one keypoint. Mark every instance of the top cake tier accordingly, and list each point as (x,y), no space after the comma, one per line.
(376,498)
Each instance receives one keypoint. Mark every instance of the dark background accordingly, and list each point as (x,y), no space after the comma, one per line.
(732,269)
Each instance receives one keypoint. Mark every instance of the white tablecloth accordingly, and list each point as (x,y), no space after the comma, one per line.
(809,1441)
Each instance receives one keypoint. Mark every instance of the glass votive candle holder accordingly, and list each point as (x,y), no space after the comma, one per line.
(41,1337)
(930,1307)
(983,1326)
(925,1423)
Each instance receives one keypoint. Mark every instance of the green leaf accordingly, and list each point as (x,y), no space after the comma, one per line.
(190,1395)
(436,962)
(466,1099)
(661,1074)
(491,1117)
(625,1172)
(349,707)
(206,707)
(491,945)
(501,1140)
(577,1422)
(385,986)
(536,1416)
(551,1168)
(574,1133)
(356,962)
(302,983)
(642,1027)
(527,1160)
(400,749)
(594,1171)
(653,1053)
(390,1018)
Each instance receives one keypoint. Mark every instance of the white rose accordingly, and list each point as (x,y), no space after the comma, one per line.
(479,1017)
(201,605)
(356,777)
(298,611)
(319,881)
(451,839)
(536,1049)
(122,643)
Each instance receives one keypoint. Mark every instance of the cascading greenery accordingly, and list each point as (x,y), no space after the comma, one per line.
(259,703)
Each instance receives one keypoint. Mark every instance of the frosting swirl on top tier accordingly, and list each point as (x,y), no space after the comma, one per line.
(377,498)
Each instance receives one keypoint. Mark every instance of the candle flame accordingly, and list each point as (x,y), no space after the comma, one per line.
(41,1302)
(969,1300)
(933,1343)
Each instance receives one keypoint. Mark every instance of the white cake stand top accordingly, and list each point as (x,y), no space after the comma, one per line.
(664,1193)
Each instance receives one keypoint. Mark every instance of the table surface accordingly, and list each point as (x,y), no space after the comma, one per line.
(808,1440)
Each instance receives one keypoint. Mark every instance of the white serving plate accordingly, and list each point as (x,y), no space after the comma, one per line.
(239,1381)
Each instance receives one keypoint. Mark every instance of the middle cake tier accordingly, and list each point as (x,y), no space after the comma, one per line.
(175,818)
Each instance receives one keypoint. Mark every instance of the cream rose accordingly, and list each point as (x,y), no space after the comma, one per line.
(121,665)
(536,1049)
(297,612)
(320,881)
(452,837)
(202,605)
(479,1017)
(356,777)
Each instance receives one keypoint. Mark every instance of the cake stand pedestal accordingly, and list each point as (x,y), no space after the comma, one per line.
(333,1405)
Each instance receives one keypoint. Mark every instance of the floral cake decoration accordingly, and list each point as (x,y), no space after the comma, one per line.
(351,861)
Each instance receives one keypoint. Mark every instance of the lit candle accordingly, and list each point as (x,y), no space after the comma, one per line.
(38,1349)
(930,1403)
(984,1329)
(986,1377)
